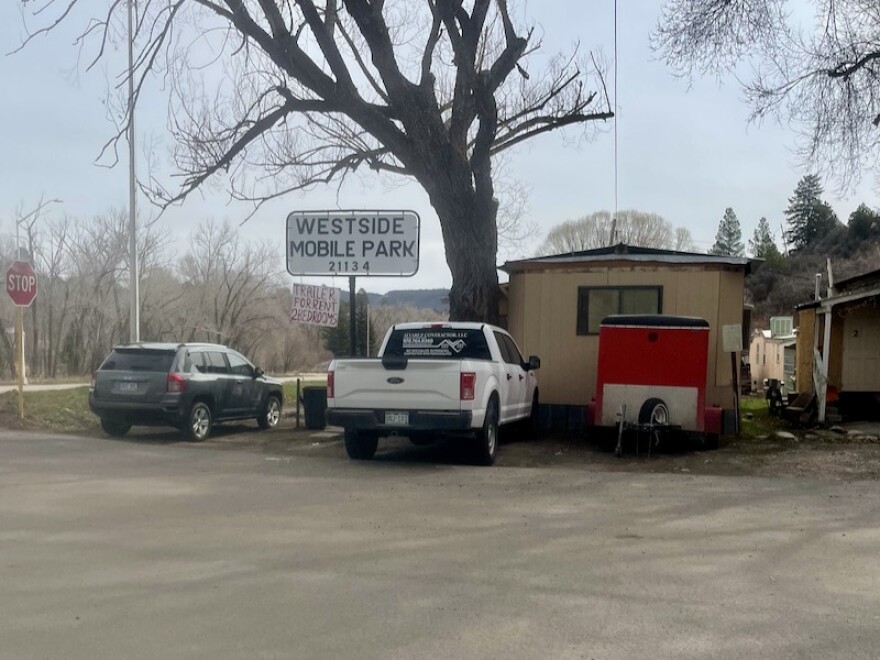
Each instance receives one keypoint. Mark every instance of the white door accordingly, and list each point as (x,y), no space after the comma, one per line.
(861,351)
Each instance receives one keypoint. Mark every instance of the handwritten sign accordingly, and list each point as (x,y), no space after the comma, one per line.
(315,305)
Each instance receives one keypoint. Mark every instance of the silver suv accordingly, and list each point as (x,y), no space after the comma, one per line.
(191,386)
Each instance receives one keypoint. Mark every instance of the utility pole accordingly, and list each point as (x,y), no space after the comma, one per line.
(135,312)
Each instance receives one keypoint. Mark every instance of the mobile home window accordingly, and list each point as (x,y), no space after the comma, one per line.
(597,302)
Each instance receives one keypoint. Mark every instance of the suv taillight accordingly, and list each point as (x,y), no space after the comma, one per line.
(330,384)
(468,383)
(176,383)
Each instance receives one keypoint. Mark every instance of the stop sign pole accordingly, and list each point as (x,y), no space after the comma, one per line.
(21,285)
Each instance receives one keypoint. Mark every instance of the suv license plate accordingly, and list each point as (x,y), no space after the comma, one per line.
(397,418)
(128,388)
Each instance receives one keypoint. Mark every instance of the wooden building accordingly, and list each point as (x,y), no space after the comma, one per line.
(838,346)
(553,307)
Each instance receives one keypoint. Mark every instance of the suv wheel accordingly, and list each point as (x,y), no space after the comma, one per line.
(115,427)
(271,413)
(199,421)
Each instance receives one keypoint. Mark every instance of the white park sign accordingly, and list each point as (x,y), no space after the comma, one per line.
(315,305)
(353,243)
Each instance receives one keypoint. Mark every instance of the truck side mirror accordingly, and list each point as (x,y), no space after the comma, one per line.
(258,372)
(534,363)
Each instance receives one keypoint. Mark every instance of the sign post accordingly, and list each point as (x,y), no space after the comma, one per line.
(732,341)
(21,285)
(353,243)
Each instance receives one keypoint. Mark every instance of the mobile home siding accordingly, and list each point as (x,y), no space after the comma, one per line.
(543,319)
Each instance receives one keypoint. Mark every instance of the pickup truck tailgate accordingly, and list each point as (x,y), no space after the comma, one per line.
(423,384)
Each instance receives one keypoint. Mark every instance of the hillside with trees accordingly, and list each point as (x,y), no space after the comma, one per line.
(813,235)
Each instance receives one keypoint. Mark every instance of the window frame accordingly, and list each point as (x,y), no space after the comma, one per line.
(583,294)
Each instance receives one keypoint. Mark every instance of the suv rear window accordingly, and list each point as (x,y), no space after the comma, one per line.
(138,360)
(439,343)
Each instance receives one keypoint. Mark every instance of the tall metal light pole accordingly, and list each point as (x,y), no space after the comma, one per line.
(135,313)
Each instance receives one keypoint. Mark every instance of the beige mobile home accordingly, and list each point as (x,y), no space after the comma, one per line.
(554,305)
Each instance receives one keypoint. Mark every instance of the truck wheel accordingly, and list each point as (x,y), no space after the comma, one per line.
(360,446)
(115,427)
(654,411)
(199,422)
(487,437)
(270,414)
(533,428)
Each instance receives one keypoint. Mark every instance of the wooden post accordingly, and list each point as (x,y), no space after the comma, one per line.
(298,394)
(734,365)
(19,338)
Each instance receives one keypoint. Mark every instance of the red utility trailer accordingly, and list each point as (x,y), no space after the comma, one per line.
(653,368)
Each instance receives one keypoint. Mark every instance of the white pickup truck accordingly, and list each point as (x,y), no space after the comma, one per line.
(429,378)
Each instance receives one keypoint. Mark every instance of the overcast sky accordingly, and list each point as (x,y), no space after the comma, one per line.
(685,153)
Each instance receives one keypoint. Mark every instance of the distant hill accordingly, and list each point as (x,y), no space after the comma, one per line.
(434,299)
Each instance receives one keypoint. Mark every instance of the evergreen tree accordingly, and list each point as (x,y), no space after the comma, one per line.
(337,340)
(728,240)
(364,326)
(864,223)
(809,218)
(762,245)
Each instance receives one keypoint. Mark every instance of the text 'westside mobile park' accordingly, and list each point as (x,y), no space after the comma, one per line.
(353,243)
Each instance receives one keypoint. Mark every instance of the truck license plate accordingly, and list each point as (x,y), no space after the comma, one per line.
(397,418)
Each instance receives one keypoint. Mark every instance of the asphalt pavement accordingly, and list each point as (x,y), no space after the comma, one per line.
(165,549)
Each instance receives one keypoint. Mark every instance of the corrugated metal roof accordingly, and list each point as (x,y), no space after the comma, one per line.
(623,252)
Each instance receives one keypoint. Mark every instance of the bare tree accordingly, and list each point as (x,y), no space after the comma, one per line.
(820,75)
(303,92)
(599,229)
(229,286)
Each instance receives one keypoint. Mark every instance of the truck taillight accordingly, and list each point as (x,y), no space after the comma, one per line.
(176,383)
(468,385)
(329,384)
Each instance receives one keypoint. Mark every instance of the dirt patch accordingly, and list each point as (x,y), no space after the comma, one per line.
(771,450)
(822,454)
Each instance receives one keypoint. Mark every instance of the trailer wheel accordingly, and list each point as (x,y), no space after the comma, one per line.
(654,411)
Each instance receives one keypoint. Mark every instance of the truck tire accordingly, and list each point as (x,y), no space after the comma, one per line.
(654,411)
(487,437)
(533,427)
(360,446)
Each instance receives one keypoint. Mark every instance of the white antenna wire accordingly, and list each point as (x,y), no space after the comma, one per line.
(616,120)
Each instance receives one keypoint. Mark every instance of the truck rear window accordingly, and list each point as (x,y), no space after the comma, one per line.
(138,360)
(439,343)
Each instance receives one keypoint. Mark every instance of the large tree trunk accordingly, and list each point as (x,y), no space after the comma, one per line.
(469,234)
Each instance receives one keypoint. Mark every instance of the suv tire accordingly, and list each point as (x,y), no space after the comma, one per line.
(199,421)
(115,427)
(270,414)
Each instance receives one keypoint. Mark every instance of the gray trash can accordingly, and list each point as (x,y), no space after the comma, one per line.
(314,400)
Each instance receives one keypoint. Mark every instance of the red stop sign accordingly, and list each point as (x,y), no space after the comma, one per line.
(21,283)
